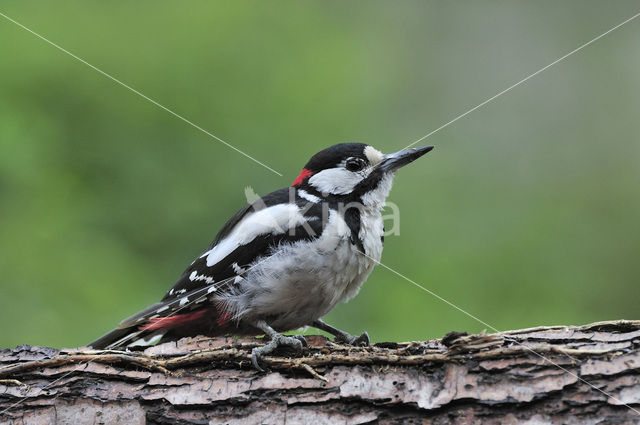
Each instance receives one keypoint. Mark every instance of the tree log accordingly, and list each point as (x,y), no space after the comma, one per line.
(547,375)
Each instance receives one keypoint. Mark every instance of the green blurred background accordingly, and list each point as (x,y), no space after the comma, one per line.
(526,213)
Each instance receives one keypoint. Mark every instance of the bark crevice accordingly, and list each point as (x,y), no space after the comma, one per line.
(535,374)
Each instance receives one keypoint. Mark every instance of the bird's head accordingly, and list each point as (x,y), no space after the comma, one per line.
(354,170)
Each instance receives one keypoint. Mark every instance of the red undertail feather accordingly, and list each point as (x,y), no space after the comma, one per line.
(223,319)
(172,321)
(303,175)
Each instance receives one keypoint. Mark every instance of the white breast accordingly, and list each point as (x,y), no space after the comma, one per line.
(303,281)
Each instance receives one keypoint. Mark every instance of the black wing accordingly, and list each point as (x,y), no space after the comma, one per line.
(199,274)
(190,294)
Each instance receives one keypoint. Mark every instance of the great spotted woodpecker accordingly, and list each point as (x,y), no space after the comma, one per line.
(284,261)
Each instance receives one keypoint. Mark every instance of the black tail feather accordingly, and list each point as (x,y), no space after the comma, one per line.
(106,340)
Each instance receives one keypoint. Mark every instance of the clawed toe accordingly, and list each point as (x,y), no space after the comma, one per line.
(359,341)
(255,355)
(296,342)
(302,339)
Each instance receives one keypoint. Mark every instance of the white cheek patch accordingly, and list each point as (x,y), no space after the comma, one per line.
(337,181)
(374,156)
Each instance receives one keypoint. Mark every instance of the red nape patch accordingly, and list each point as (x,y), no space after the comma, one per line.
(303,175)
(172,321)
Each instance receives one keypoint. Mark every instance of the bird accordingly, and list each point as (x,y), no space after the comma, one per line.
(282,262)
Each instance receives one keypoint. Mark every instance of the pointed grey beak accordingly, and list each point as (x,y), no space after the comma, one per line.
(393,161)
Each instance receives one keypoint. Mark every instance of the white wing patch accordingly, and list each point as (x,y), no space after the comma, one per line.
(309,197)
(274,220)
(194,277)
(238,269)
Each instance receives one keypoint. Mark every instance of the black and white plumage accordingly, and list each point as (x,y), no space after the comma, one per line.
(285,260)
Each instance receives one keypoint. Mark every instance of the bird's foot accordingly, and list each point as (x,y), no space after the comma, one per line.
(342,337)
(297,342)
(358,341)
(302,339)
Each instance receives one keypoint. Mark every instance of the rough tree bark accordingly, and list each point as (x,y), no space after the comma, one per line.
(561,374)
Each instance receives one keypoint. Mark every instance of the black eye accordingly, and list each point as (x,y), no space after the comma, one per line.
(354,164)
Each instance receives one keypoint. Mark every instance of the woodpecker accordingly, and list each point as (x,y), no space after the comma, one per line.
(282,262)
